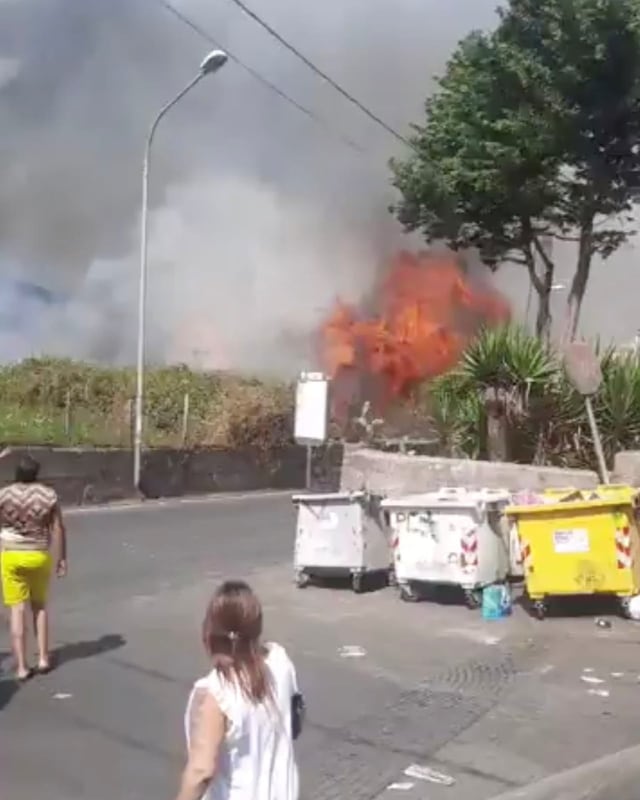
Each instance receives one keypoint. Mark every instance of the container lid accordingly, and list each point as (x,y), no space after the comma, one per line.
(327,497)
(447,498)
(559,509)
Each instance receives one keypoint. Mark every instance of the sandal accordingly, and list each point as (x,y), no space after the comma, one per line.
(24,678)
(43,669)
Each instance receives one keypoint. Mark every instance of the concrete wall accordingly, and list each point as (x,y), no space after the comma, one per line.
(102,475)
(394,474)
(99,476)
(626,469)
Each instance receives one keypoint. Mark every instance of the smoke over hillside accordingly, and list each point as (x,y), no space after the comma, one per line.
(259,216)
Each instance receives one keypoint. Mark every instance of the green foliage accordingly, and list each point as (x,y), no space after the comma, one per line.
(551,425)
(458,416)
(533,132)
(59,401)
(508,357)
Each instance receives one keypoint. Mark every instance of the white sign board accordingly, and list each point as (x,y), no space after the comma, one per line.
(312,409)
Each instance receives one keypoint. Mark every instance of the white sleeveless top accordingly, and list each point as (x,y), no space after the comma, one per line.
(257,761)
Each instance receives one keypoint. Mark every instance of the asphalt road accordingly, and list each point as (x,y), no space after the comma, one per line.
(433,684)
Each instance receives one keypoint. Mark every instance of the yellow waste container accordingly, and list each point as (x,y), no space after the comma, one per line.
(560,491)
(623,491)
(579,547)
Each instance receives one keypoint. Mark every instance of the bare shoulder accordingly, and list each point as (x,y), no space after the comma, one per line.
(203,708)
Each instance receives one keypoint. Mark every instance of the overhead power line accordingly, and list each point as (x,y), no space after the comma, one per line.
(188,21)
(307,61)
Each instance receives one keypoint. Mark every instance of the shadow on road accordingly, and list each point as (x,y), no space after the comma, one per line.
(8,687)
(77,651)
(67,652)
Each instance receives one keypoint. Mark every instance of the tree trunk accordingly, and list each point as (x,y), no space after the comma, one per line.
(580,280)
(542,284)
(543,319)
(498,438)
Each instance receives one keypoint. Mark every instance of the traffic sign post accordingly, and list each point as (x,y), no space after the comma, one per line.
(312,415)
(583,370)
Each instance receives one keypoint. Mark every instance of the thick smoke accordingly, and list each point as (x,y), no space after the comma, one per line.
(259,216)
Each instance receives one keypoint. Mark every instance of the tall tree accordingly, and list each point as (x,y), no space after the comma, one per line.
(533,133)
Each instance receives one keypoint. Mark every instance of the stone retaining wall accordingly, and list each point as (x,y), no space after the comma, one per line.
(393,474)
(84,476)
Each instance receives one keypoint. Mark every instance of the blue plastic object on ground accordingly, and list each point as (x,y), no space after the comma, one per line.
(496,602)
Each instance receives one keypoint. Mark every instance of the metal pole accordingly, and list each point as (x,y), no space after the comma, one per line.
(307,481)
(142,286)
(597,442)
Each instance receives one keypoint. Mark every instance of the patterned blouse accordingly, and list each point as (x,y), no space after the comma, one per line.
(26,514)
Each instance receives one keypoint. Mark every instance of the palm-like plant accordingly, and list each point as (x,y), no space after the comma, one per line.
(512,372)
(617,404)
(457,415)
(510,358)
(511,388)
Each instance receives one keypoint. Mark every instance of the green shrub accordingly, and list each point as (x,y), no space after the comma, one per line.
(59,401)
(546,415)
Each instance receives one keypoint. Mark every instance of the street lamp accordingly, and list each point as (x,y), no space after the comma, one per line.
(211,63)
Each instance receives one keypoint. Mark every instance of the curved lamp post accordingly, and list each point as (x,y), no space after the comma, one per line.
(212,63)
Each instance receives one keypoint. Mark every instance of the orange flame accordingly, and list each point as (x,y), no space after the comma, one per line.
(427,312)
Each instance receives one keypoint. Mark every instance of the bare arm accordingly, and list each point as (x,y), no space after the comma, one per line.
(59,540)
(207,725)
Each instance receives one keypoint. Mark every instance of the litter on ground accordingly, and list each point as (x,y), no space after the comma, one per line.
(401,786)
(428,774)
(352,651)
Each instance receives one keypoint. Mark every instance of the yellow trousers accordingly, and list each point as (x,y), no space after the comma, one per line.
(25,576)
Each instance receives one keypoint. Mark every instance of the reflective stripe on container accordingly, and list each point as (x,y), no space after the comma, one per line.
(525,556)
(469,546)
(623,547)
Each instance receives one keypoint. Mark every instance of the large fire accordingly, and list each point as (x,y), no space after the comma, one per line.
(425,312)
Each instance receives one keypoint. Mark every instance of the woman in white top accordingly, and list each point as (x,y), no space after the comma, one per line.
(239,717)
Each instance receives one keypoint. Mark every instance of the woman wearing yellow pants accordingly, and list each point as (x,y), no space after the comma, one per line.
(30,520)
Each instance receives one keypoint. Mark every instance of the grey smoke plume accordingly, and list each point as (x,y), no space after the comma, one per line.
(259,217)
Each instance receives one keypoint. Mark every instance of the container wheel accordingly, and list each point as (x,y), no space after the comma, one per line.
(540,609)
(303,579)
(391,577)
(625,607)
(358,582)
(408,594)
(473,598)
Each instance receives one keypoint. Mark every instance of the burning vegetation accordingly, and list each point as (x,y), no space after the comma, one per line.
(423,313)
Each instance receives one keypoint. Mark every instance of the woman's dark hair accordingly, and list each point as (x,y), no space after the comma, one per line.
(27,470)
(231,634)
